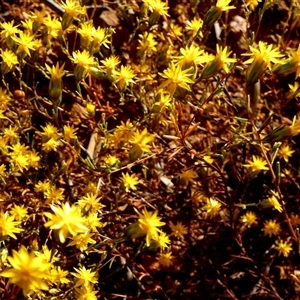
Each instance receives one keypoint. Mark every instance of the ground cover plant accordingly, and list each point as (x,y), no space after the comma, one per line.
(149,149)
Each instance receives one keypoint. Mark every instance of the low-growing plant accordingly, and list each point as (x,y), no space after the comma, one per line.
(150,152)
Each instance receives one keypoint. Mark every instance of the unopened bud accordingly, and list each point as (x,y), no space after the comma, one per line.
(135,152)
(256,70)
(212,16)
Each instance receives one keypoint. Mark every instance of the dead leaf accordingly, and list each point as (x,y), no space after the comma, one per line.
(110,17)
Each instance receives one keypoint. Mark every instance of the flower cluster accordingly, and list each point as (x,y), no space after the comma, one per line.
(143,138)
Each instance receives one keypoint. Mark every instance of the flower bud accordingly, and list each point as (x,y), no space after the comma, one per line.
(135,152)
(212,68)
(212,16)
(256,70)
(134,230)
(66,21)
(96,73)
(90,108)
(79,73)
(287,68)
(154,16)
(4,68)
(55,90)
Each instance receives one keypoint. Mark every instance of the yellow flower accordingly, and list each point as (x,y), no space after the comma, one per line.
(19,212)
(19,162)
(69,133)
(198,196)
(195,26)
(148,223)
(28,26)
(176,77)
(147,42)
(54,195)
(215,12)
(178,230)
(249,218)
(86,293)
(48,255)
(56,72)
(8,225)
(257,164)
(53,26)
(86,34)
(91,187)
(292,64)
(9,30)
(123,132)
(271,228)
(73,8)
(90,108)
(283,247)
(165,259)
(50,132)
(59,276)
(129,181)
(208,159)
(9,60)
(294,91)
(25,43)
(100,37)
(84,277)
(111,160)
(175,31)
(265,54)
(212,207)
(124,77)
(18,149)
(82,59)
(90,203)
(285,152)
(28,271)
(219,62)
(273,201)
(191,56)
(82,241)
(110,63)
(38,18)
(223,5)
(67,220)
(93,221)
(261,60)
(165,101)
(3,142)
(33,159)
(11,133)
(4,98)
(157,6)
(188,175)
(162,241)
(42,186)
(140,144)
(51,144)
(55,84)
(295,127)
(3,171)
(142,139)
(252,3)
